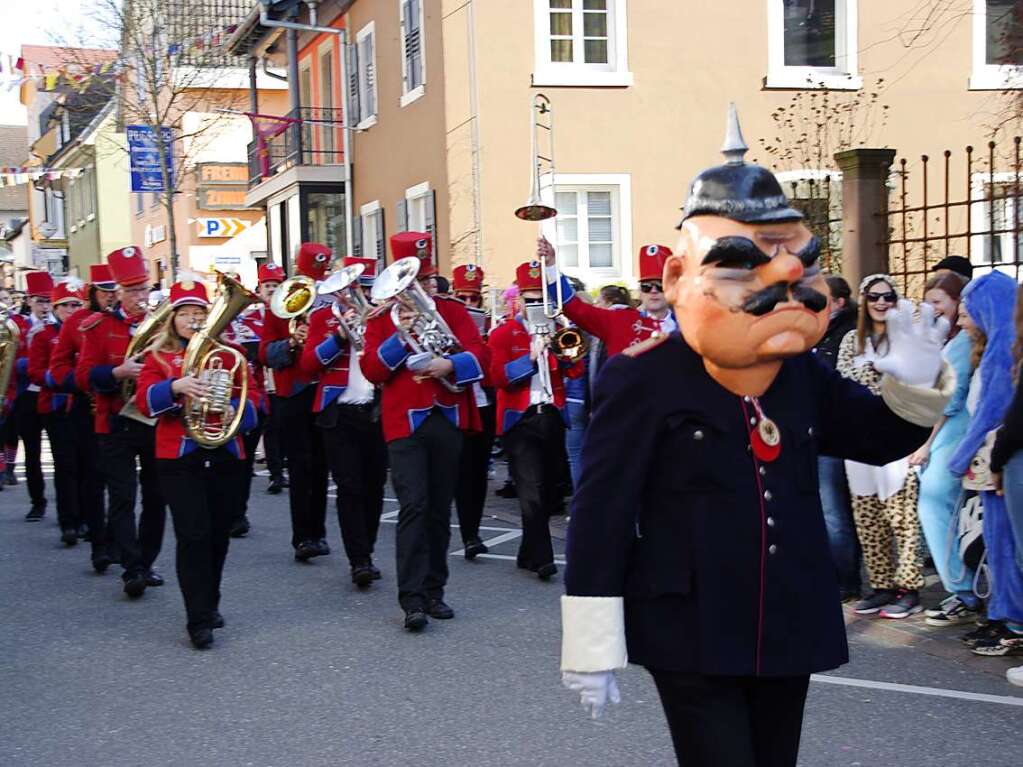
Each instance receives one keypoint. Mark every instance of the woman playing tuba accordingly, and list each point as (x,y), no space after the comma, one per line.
(197,388)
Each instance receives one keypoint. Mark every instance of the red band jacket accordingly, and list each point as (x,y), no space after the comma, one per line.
(618,329)
(276,353)
(105,340)
(512,370)
(60,376)
(407,401)
(155,398)
(326,356)
(41,343)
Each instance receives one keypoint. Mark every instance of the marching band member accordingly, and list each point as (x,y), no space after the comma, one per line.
(349,421)
(55,408)
(423,423)
(270,277)
(531,421)
(125,437)
(618,328)
(200,483)
(471,495)
(303,447)
(27,420)
(61,377)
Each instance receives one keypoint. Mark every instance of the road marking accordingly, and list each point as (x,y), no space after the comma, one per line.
(506,557)
(509,535)
(938,692)
(391,517)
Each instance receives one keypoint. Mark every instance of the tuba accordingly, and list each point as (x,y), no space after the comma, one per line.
(9,335)
(144,335)
(346,282)
(211,421)
(429,335)
(293,300)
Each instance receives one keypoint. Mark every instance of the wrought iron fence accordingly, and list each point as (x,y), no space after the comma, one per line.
(983,225)
(820,200)
(315,138)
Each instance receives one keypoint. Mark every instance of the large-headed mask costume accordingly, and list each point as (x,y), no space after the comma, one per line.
(745,282)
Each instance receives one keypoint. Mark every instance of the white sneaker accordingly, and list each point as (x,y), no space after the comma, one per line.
(955,613)
(942,607)
(1015,676)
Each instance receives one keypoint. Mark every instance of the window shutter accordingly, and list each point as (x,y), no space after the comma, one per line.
(355,117)
(430,222)
(410,14)
(366,56)
(381,251)
(357,236)
(402,222)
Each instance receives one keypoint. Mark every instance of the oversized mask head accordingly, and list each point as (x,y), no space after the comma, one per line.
(745,280)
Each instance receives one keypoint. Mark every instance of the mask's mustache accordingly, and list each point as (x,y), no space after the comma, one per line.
(764,301)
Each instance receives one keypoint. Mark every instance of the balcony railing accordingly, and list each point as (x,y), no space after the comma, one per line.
(315,138)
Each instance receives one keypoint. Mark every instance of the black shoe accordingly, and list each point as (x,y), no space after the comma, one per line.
(375,570)
(37,512)
(135,586)
(217,620)
(276,486)
(100,563)
(9,478)
(84,533)
(507,490)
(474,547)
(874,601)
(546,572)
(436,608)
(322,549)
(362,576)
(202,639)
(415,620)
(992,631)
(305,551)
(69,537)
(154,579)
(285,482)
(241,527)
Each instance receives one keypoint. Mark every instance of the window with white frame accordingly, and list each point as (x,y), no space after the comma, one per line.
(413,60)
(419,208)
(593,228)
(812,44)
(372,245)
(580,42)
(997,45)
(362,87)
(995,219)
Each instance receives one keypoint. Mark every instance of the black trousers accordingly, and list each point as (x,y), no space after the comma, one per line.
(68,476)
(307,467)
(733,721)
(471,495)
(92,507)
(272,439)
(357,456)
(536,448)
(424,471)
(200,489)
(118,451)
(29,425)
(251,442)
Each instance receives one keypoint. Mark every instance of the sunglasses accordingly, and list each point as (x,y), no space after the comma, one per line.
(650,287)
(889,297)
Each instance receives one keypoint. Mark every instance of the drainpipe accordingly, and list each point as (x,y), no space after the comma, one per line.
(293,28)
(474,107)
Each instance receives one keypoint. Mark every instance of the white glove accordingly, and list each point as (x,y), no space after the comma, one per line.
(914,347)
(595,689)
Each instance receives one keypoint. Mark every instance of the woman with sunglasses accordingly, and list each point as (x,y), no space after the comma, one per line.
(884,498)
(939,488)
(69,461)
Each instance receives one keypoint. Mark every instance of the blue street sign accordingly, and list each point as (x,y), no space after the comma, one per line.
(145,158)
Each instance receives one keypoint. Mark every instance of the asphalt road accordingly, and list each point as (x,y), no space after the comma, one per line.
(309,672)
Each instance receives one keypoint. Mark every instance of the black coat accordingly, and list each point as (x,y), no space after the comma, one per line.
(827,348)
(723,561)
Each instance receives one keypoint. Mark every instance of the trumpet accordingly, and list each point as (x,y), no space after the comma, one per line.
(293,300)
(428,335)
(211,420)
(345,282)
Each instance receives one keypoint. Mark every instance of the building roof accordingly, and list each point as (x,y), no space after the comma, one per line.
(57,56)
(13,152)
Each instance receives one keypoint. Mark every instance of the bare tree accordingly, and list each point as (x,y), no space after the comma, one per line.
(170,66)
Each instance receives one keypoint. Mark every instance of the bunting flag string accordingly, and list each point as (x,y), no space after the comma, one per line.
(15,175)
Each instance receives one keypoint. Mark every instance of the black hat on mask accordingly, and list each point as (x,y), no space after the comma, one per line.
(738,190)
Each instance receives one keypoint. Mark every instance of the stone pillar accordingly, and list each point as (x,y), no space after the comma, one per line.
(864,201)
